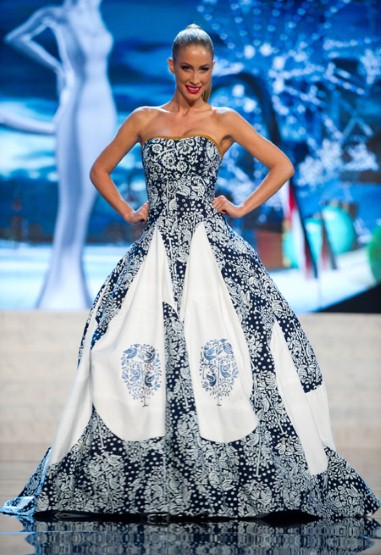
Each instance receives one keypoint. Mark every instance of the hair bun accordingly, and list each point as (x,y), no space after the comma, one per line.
(194,26)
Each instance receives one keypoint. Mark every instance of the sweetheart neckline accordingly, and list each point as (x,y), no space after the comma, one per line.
(179,138)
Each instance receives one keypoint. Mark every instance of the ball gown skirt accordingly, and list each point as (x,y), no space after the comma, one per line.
(197,392)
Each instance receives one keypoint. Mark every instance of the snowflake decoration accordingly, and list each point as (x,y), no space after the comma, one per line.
(293,52)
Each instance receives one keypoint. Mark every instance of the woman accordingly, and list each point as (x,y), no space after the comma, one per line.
(84,122)
(197,393)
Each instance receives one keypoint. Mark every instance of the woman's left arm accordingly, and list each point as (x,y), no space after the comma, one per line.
(279,165)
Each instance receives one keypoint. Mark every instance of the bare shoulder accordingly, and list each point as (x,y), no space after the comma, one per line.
(230,122)
(144,113)
(148,110)
(227,117)
(138,119)
(223,111)
(238,129)
(143,117)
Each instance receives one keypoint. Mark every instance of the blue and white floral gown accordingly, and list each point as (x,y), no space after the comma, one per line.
(197,392)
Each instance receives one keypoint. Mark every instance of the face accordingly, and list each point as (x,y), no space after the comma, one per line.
(192,70)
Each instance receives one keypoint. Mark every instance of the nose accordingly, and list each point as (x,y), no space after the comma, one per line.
(195,78)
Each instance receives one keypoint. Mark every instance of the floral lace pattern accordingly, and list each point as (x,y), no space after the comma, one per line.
(182,473)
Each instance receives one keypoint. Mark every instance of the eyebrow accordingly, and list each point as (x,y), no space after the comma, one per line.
(190,65)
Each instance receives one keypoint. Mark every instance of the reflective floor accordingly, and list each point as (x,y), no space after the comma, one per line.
(285,535)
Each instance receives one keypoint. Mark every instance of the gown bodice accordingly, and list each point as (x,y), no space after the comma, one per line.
(181,175)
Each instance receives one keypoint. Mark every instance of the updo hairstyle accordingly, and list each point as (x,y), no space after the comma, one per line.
(193,35)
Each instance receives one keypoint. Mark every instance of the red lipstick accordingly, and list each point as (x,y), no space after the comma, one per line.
(193,90)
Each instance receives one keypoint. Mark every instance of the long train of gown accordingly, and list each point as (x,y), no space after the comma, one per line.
(197,392)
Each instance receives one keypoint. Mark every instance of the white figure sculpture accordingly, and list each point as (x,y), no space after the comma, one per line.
(84,122)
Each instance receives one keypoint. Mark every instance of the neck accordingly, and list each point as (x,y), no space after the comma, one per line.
(183,106)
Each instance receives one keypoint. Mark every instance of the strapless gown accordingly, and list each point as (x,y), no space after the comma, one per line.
(197,392)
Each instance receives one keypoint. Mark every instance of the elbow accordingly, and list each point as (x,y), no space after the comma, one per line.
(94,174)
(291,170)
(285,169)
(99,174)
(288,169)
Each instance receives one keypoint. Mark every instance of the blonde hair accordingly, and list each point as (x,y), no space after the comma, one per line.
(193,34)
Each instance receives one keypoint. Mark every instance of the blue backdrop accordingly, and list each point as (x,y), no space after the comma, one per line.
(306,74)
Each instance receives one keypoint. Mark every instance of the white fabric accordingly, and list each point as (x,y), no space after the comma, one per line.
(78,407)
(318,402)
(208,313)
(139,321)
(296,403)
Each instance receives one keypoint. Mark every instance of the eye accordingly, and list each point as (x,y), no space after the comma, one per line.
(205,68)
(185,67)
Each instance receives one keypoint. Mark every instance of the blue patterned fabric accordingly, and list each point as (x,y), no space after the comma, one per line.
(182,473)
(218,368)
(141,371)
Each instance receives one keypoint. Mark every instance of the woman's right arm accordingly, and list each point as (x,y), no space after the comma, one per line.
(127,136)
(22,37)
